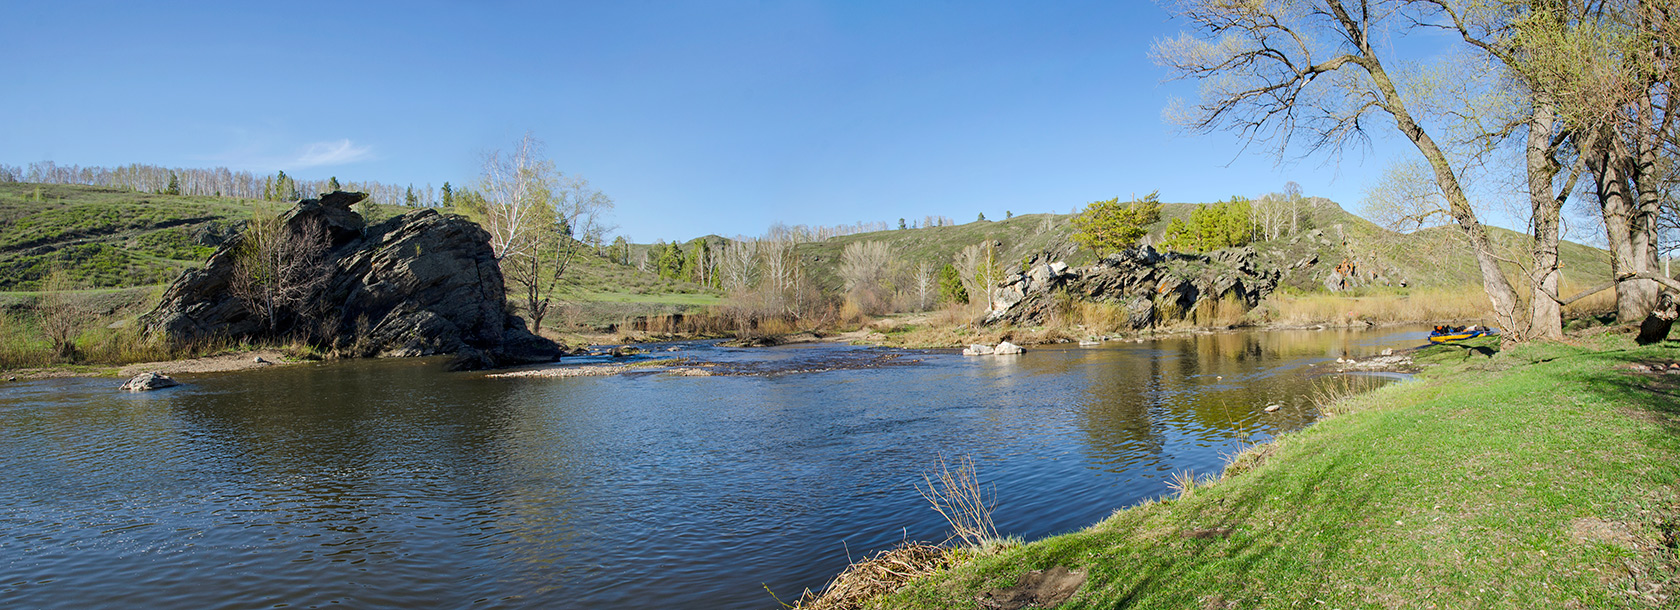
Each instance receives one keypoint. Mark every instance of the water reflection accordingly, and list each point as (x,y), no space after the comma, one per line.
(395,484)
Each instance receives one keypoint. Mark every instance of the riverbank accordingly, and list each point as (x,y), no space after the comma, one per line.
(1542,477)
(240,360)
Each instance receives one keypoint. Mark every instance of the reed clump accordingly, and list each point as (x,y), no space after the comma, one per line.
(880,574)
(955,491)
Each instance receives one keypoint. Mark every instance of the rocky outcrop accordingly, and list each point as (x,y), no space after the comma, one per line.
(420,284)
(1149,287)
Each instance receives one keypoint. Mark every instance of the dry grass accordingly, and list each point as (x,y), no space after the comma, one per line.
(1184,484)
(1228,310)
(1103,318)
(1466,303)
(958,496)
(1601,302)
(1330,392)
(1248,458)
(1424,305)
(884,573)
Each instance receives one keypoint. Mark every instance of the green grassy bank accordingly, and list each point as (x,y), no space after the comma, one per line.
(1543,477)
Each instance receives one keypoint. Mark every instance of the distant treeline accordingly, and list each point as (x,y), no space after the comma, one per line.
(218,182)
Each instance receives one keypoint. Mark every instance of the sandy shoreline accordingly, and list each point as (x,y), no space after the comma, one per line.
(221,363)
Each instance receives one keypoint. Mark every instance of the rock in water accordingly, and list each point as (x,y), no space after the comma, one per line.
(420,284)
(1007,349)
(978,350)
(146,382)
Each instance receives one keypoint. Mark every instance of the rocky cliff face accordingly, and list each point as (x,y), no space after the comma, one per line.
(1153,288)
(419,284)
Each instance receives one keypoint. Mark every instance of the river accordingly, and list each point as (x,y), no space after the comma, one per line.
(395,484)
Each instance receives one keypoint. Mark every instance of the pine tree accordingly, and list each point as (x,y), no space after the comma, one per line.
(174,184)
(332,184)
(692,268)
(448,195)
(982,217)
(409,199)
(285,189)
(1107,226)
(950,285)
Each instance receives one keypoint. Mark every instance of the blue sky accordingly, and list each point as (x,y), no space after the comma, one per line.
(702,117)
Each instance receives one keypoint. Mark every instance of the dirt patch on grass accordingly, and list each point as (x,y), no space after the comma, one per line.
(1205,534)
(1037,589)
(1594,530)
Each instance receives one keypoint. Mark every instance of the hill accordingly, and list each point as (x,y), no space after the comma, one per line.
(112,239)
(1328,237)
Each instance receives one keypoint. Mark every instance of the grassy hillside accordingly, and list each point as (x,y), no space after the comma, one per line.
(106,238)
(1328,235)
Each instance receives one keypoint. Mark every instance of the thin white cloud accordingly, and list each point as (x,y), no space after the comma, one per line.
(336,152)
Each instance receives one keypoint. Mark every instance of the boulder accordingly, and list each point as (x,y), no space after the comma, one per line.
(146,382)
(977,350)
(419,284)
(1006,349)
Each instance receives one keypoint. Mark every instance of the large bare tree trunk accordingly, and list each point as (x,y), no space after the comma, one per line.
(1634,296)
(1545,313)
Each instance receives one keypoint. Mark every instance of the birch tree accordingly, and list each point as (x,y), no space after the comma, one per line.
(738,268)
(923,281)
(515,185)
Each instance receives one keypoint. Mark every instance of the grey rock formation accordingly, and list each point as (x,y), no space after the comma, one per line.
(146,382)
(420,284)
(1151,287)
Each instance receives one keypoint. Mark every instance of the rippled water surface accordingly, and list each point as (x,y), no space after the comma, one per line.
(396,484)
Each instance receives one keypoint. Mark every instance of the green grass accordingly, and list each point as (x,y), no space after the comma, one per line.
(1477,485)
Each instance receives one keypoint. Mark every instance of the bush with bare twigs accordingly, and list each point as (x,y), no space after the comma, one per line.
(958,496)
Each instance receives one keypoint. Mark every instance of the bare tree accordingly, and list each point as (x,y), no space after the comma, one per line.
(539,220)
(1309,75)
(978,269)
(1292,193)
(739,265)
(279,267)
(782,275)
(864,269)
(61,315)
(923,280)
